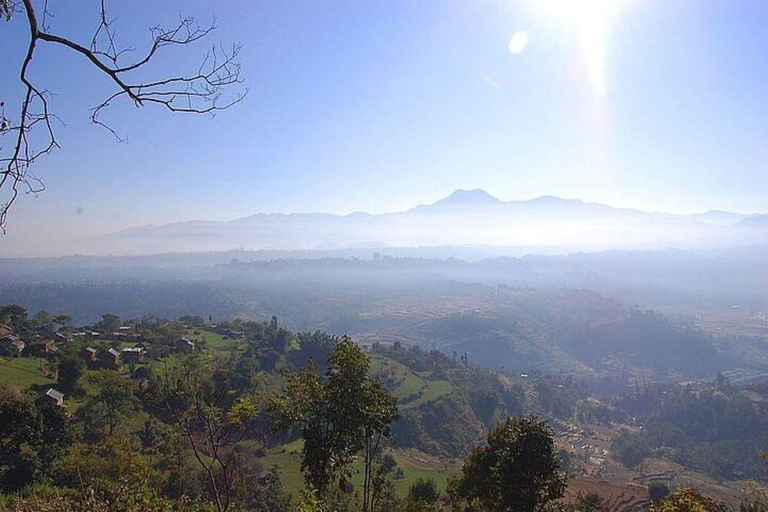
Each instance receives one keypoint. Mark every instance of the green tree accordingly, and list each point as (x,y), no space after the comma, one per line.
(13,315)
(113,400)
(519,469)
(109,322)
(42,318)
(70,369)
(687,499)
(32,436)
(424,490)
(590,502)
(657,491)
(338,415)
(107,464)
(212,418)
(62,320)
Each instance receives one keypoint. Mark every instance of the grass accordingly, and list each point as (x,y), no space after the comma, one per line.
(287,460)
(410,382)
(435,389)
(218,347)
(23,372)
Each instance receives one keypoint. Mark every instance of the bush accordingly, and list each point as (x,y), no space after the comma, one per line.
(424,490)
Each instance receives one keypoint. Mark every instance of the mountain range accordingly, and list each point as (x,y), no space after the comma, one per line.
(466,217)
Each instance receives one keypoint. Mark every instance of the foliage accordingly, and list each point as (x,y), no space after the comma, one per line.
(114,400)
(338,415)
(129,497)
(13,315)
(687,499)
(109,323)
(629,449)
(32,436)
(715,429)
(107,464)
(211,418)
(70,368)
(424,490)
(590,502)
(518,470)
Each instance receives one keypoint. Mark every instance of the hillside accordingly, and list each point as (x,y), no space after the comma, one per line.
(615,443)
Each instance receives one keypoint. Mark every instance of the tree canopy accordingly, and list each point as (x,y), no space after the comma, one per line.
(517,471)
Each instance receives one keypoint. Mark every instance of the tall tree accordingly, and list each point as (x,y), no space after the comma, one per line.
(340,414)
(70,369)
(113,400)
(212,418)
(379,411)
(518,470)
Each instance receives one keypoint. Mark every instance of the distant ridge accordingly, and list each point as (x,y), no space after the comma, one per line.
(465,217)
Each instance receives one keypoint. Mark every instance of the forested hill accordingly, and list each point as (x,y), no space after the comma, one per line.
(127,384)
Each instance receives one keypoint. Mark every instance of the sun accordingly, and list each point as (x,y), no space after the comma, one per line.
(590,19)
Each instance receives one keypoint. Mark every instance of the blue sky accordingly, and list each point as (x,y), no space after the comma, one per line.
(382,105)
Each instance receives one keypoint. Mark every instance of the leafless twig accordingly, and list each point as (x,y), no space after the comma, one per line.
(32,133)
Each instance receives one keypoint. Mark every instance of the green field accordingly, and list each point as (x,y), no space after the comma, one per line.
(287,460)
(218,347)
(23,372)
(410,382)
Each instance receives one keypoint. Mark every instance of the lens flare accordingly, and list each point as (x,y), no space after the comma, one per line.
(518,42)
(590,18)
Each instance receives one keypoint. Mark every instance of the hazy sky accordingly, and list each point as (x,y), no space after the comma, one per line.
(381,105)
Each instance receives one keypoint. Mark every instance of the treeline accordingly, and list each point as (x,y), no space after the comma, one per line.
(186,432)
(719,428)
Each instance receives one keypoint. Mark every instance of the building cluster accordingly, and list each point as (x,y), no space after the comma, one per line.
(12,345)
(109,355)
(112,358)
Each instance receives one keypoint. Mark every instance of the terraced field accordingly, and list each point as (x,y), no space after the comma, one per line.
(620,497)
(412,389)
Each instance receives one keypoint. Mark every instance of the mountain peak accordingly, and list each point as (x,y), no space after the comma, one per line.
(474,197)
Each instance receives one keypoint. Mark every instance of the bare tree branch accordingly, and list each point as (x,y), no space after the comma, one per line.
(202,92)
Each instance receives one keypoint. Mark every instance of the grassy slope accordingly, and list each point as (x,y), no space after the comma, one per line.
(217,346)
(415,464)
(287,460)
(410,382)
(22,372)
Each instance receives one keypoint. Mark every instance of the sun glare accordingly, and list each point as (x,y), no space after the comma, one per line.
(518,42)
(590,19)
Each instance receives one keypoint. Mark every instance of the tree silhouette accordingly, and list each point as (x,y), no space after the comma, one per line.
(31,128)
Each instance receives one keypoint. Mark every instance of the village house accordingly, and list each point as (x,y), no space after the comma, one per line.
(43,347)
(185,346)
(110,359)
(5,331)
(55,397)
(60,339)
(90,355)
(133,354)
(11,345)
